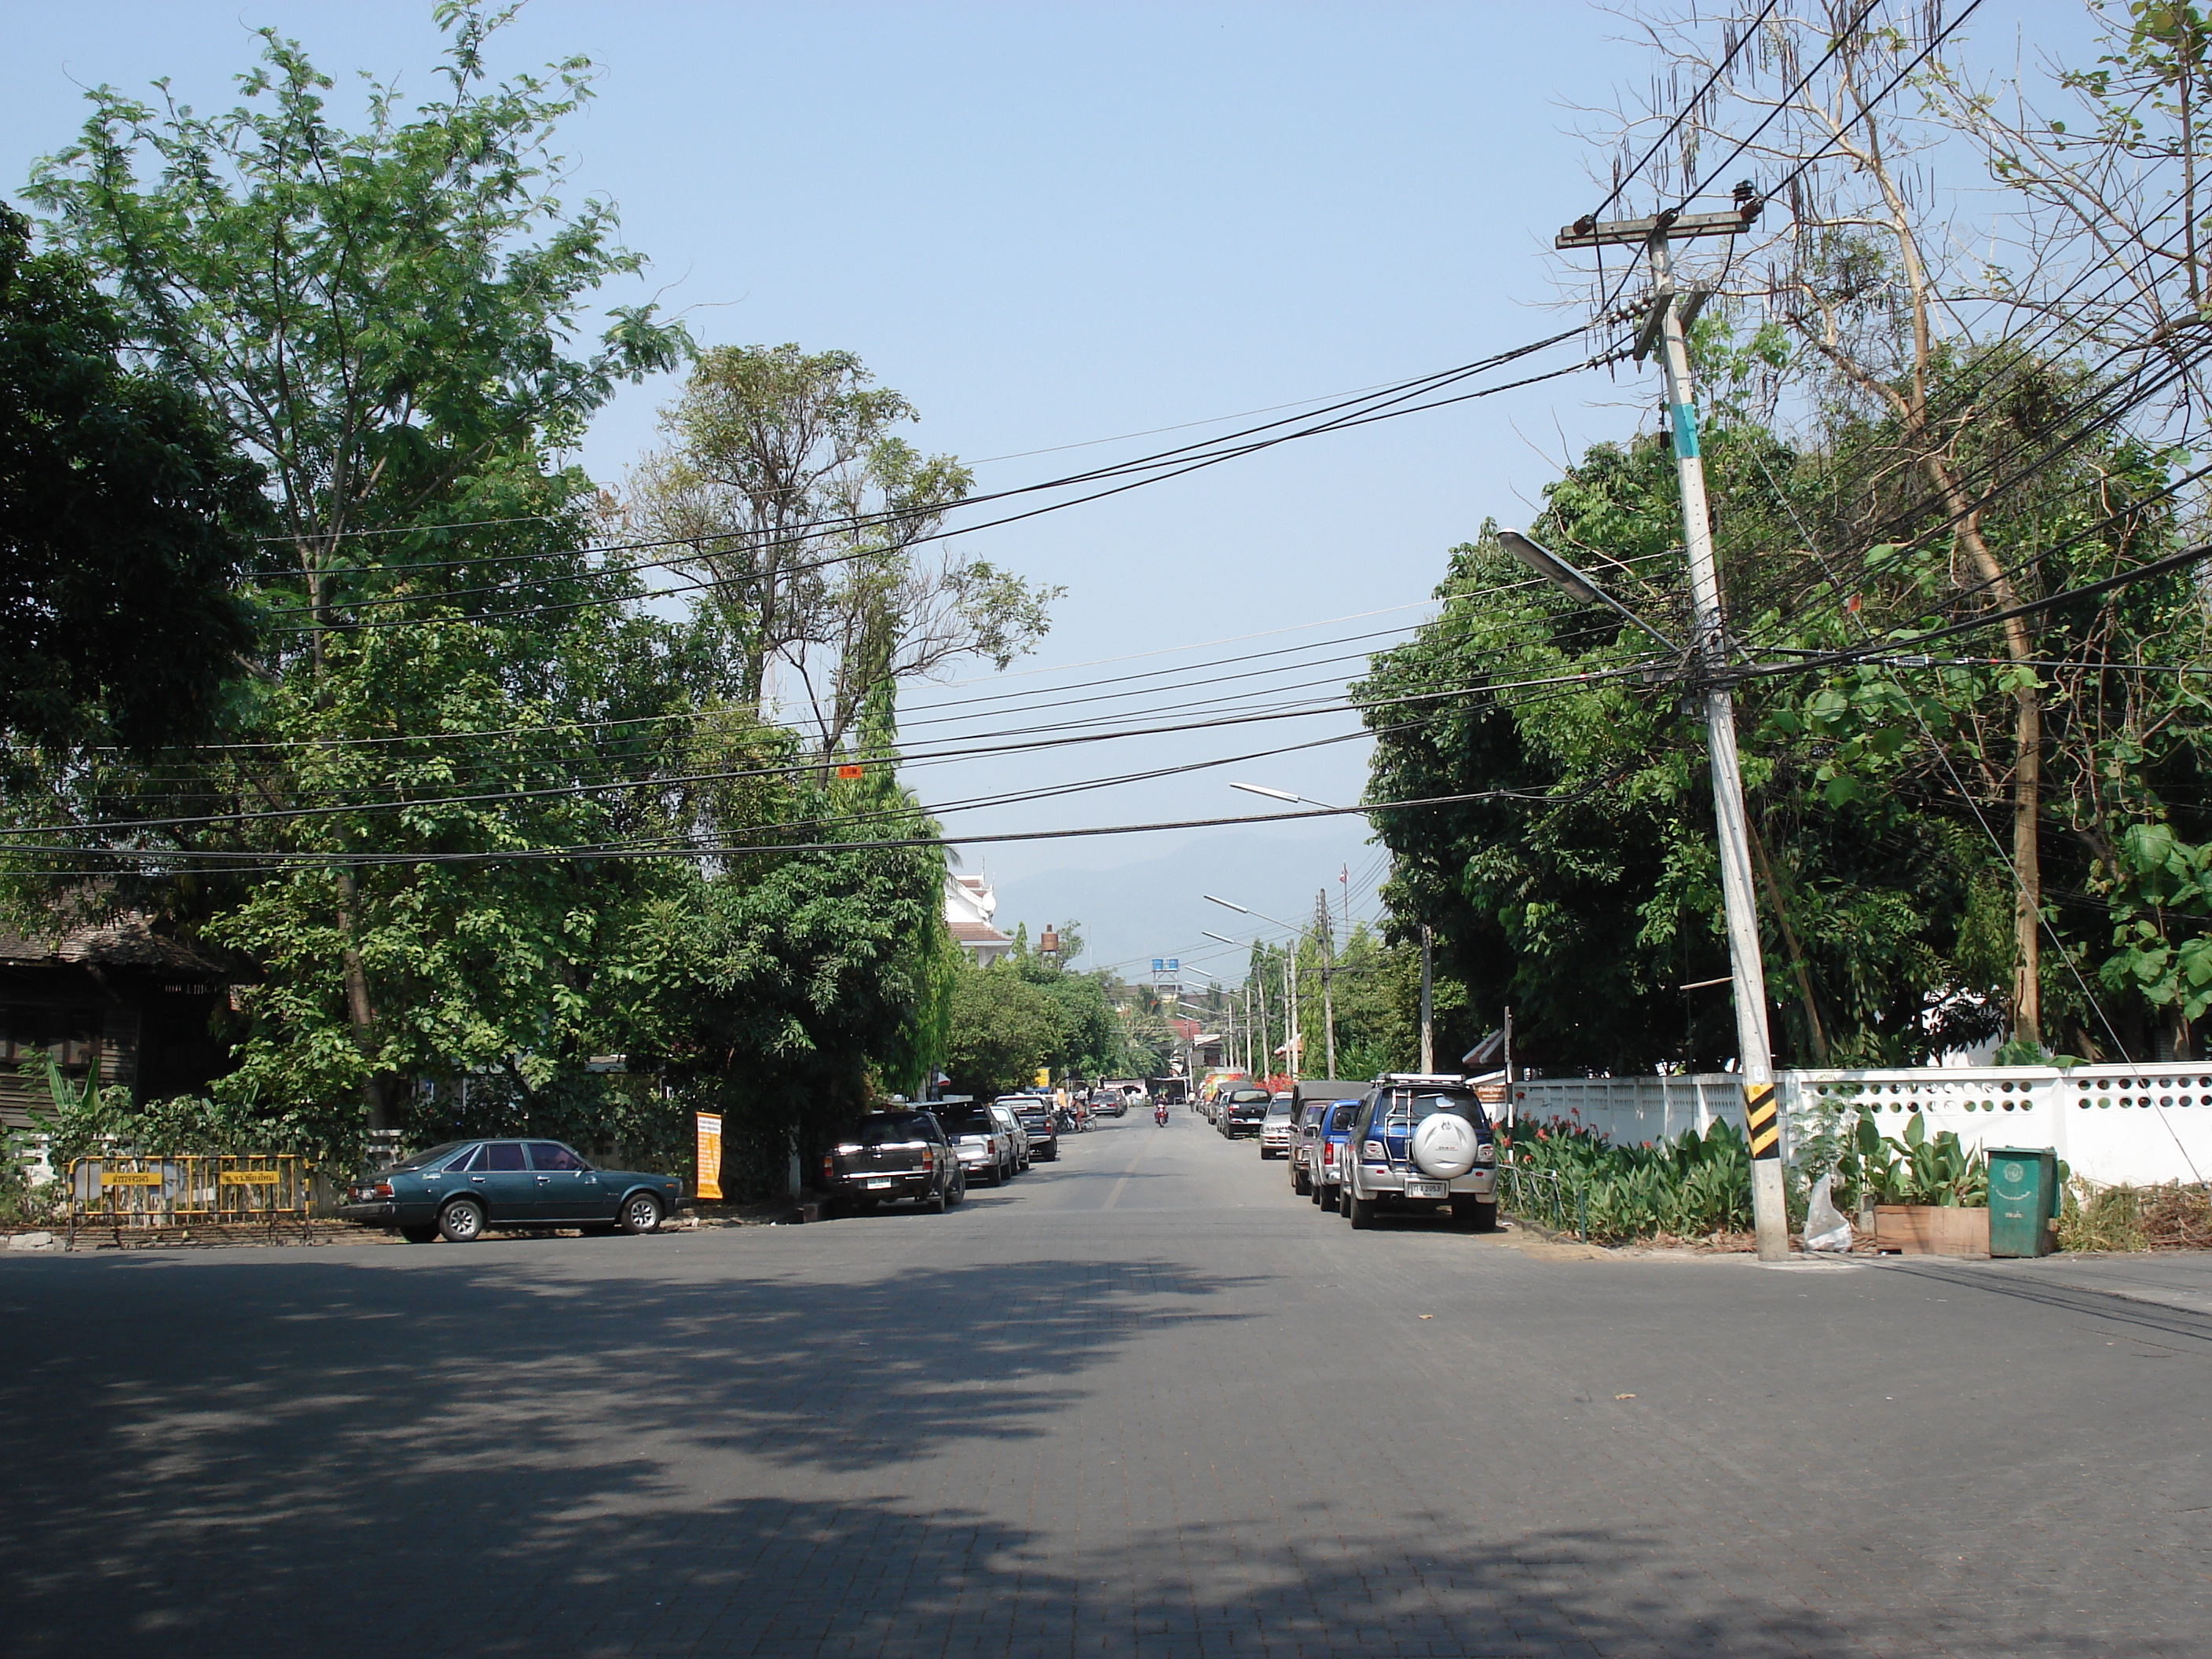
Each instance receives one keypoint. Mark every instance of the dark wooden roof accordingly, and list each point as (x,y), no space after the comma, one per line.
(122,942)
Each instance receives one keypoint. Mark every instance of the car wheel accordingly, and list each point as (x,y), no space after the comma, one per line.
(1300,1182)
(958,1190)
(1325,1197)
(641,1213)
(997,1176)
(462,1221)
(419,1234)
(1363,1214)
(938,1201)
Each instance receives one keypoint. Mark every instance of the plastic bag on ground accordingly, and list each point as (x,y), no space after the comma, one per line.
(1825,1227)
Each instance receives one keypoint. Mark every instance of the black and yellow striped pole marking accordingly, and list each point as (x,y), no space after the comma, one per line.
(1762,1119)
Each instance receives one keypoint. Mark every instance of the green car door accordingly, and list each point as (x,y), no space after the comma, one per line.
(567,1189)
(499,1177)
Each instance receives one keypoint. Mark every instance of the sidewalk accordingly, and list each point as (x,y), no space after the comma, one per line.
(2167,1279)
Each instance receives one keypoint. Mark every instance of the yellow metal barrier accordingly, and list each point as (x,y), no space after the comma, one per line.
(137,1193)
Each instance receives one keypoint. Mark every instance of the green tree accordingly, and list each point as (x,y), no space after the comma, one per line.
(1003,1028)
(122,510)
(379,318)
(786,484)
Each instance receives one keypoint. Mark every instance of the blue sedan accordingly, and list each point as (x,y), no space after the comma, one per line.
(462,1188)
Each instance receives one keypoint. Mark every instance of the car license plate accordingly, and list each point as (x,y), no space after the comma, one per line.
(882,1183)
(1426,1189)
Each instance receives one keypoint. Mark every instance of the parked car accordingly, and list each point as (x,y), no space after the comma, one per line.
(979,1140)
(1014,1132)
(888,1157)
(1035,1116)
(461,1188)
(1332,1128)
(1313,1095)
(1420,1144)
(1111,1102)
(1276,1129)
(1239,1112)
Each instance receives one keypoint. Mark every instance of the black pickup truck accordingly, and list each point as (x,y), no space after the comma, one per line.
(886,1157)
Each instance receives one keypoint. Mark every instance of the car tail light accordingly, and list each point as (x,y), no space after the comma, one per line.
(828,1166)
(1375,1151)
(383,1189)
(929,1158)
(1486,1153)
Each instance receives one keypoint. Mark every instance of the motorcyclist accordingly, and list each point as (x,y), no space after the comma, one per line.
(1160,1115)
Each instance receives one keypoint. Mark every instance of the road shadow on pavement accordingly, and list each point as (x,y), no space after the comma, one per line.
(619,1450)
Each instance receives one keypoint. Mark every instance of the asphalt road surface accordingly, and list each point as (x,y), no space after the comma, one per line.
(1143,1402)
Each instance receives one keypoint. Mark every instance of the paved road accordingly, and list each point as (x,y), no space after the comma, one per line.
(1144,1403)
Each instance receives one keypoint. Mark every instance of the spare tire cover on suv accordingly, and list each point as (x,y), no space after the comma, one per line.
(1444,1145)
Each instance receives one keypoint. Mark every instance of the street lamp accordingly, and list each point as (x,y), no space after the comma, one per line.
(1290,974)
(1328,946)
(1285,794)
(1251,1041)
(1557,571)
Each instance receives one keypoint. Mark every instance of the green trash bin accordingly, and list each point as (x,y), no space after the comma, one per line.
(2023,1198)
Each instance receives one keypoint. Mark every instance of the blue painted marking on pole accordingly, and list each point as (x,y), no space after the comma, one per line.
(1686,432)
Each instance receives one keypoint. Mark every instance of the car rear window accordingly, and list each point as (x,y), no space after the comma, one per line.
(437,1154)
(967,1121)
(1402,1109)
(886,1129)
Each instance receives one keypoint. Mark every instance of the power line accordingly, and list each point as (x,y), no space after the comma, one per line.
(1344,424)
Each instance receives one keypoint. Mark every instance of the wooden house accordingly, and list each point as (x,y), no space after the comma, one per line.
(141,1005)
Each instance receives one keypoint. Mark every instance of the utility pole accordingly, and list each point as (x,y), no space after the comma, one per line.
(1428,1008)
(1258,1061)
(1290,1043)
(1665,327)
(1327,978)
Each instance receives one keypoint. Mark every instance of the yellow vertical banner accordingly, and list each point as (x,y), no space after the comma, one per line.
(710,1155)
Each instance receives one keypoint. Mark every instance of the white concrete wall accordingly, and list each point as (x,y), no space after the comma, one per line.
(2140,1124)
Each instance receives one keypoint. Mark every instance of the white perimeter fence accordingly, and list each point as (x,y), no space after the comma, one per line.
(2140,1124)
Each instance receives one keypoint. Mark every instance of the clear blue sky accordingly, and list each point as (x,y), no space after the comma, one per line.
(1049,224)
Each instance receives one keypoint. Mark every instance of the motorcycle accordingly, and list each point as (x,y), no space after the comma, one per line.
(1160,1115)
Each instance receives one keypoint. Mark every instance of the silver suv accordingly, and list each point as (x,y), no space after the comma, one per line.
(1421,1145)
(1276,1129)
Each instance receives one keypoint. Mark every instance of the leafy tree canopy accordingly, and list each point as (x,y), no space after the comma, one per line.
(124,515)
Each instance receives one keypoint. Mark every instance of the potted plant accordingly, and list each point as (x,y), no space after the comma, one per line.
(1929,1197)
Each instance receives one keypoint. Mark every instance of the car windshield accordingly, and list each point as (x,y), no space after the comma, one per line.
(885,1129)
(437,1154)
(1280,1108)
(967,1121)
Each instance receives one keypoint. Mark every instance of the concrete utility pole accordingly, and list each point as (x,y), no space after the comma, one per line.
(1327,978)
(1428,1007)
(1665,327)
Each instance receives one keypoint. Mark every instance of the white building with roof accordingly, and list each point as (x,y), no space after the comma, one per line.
(969,904)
